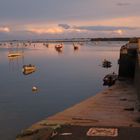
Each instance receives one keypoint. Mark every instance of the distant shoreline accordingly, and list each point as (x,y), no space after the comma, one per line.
(71,40)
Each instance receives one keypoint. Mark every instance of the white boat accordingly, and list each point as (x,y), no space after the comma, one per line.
(16,54)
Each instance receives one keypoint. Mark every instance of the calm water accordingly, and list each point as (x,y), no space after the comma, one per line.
(63,79)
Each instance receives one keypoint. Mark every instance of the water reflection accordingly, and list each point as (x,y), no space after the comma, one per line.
(59,50)
(62,80)
(14,62)
(46,45)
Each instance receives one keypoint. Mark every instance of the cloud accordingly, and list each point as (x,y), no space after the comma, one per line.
(65,26)
(123,4)
(105,28)
(96,28)
(108,30)
(4,29)
(51,30)
(119,32)
(36,31)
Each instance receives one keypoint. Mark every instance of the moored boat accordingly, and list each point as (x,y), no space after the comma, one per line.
(106,64)
(28,69)
(76,47)
(14,54)
(59,46)
(110,79)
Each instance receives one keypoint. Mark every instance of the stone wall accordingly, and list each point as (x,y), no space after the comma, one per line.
(137,71)
(130,63)
(139,45)
(127,60)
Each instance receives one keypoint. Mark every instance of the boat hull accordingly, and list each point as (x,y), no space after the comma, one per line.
(28,69)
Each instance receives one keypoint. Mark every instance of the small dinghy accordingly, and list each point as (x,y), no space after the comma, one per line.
(59,46)
(110,79)
(28,69)
(10,55)
(106,64)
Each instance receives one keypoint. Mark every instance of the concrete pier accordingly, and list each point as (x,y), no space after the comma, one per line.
(116,108)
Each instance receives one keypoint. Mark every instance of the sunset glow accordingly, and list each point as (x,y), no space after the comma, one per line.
(68,19)
(52,30)
(4,29)
(120,32)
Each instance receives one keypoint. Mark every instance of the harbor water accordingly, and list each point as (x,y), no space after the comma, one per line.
(62,78)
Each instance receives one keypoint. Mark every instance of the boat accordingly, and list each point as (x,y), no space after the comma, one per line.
(110,79)
(76,47)
(106,64)
(59,46)
(16,54)
(28,69)
(27,72)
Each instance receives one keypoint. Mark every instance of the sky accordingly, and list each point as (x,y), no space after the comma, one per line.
(46,19)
